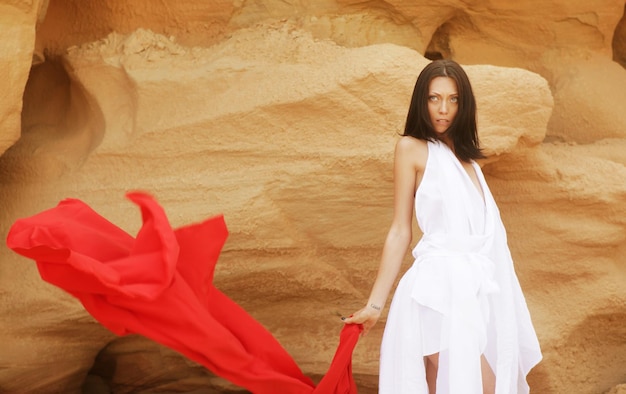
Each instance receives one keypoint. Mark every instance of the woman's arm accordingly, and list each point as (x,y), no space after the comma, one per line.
(409,161)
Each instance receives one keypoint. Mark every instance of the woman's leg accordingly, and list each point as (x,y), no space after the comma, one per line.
(489,378)
(432,365)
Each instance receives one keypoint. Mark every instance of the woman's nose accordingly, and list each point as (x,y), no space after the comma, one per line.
(443,108)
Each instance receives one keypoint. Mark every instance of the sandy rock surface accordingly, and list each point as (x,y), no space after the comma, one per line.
(283,117)
(18,22)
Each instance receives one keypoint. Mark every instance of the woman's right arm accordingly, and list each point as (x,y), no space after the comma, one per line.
(409,161)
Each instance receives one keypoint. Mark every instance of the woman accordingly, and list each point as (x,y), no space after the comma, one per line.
(458,322)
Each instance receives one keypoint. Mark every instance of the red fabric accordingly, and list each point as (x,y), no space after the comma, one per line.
(160,285)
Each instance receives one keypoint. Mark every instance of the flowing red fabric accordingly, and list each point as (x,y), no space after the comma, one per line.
(160,285)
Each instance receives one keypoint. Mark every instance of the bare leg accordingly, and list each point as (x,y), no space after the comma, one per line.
(489,378)
(432,365)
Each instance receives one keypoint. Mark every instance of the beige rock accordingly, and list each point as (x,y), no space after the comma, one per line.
(504,126)
(75,22)
(619,41)
(587,96)
(619,389)
(18,24)
(134,364)
(567,240)
(259,110)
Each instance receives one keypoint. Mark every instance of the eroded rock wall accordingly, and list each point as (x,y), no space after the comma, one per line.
(283,116)
(18,23)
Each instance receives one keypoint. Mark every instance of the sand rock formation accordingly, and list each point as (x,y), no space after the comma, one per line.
(283,116)
(18,22)
(619,389)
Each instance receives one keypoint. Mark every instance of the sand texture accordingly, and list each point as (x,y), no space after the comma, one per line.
(283,116)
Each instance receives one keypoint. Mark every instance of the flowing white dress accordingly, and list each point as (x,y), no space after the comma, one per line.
(461,297)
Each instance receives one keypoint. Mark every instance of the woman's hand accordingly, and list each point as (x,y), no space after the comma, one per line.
(367,316)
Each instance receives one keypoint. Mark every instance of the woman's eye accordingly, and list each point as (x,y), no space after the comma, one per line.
(454,100)
(433,98)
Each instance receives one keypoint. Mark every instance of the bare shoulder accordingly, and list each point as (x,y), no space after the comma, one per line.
(410,150)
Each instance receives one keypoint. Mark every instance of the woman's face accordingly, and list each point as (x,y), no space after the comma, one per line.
(443,103)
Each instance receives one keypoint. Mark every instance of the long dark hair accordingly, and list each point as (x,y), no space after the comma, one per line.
(462,132)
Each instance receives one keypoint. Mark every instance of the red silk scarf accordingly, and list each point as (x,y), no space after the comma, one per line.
(160,285)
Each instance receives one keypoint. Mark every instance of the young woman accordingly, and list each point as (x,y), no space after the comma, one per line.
(458,322)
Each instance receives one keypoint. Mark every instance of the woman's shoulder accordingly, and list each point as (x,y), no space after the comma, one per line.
(412,150)
(406,143)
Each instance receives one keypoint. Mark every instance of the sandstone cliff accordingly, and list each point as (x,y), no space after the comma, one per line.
(283,117)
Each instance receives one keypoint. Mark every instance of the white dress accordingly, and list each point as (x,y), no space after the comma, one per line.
(461,297)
